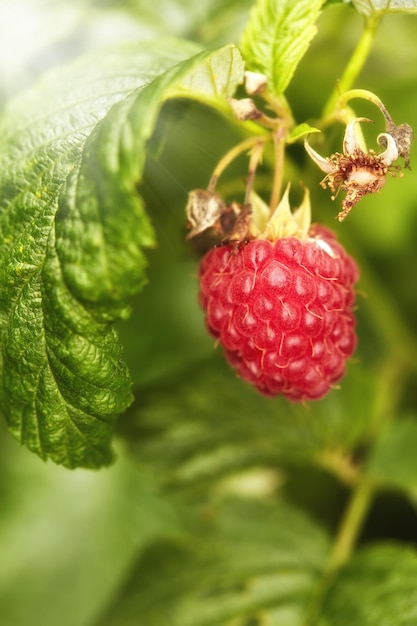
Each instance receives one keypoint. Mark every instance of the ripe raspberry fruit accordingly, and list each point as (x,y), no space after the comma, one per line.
(282,310)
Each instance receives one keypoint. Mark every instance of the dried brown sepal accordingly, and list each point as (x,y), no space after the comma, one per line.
(244,109)
(255,83)
(403,136)
(204,209)
(240,230)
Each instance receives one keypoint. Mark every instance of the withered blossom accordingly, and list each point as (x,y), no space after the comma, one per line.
(356,171)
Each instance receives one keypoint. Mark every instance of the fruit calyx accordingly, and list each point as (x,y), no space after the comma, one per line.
(237,223)
(283,222)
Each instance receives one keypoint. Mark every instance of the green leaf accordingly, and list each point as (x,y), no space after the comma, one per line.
(196,438)
(393,461)
(277,36)
(73,229)
(101,252)
(330,2)
(377,588)
(68,539)
(252,562)
(301,131)
(381,7)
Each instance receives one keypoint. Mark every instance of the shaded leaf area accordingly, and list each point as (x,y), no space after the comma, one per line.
(393,462)
(222,21)
(377,588)
(68,539)
(205,424)
(277,36)
(213,22)
(246,563)
(73,230)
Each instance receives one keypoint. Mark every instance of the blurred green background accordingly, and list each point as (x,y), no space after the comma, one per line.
(69,541)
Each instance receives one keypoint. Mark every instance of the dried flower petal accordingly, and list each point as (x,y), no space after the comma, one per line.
(324,164)
(357,172)
(391,153)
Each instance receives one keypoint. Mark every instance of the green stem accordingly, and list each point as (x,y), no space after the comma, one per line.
(364,489)
(256,155)
(351,526)
(232,154)
(355,64)
(350,94)
(346,539)
(345,114)
(279,148)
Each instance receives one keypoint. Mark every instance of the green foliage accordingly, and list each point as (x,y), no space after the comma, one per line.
(70,261)
(377,589)
(67,539)
(224,508)
(393,461)
(197,441)
(381,7)
(301,131)
(248,561)
(276,37)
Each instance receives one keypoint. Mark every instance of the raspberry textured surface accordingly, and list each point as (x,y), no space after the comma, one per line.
(282,311)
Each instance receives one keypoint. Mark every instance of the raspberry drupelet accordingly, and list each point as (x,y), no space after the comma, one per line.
(282,310)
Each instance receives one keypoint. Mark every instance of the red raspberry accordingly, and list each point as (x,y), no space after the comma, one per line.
(282,311)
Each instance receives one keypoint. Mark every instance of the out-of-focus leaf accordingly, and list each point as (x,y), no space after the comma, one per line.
(248,562)
(393,461)
(69,539)
(205,424)
(213,22)
(37,35)
(377,588)
(277,36)
(380,7)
